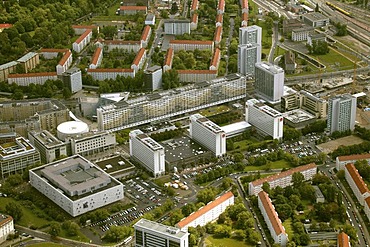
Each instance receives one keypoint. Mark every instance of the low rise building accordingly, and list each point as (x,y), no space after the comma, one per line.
(35,78)
(131,46)
(272,219)
(282,179)
(145,36)
(218,36)
(5,26)
(356,183)
(177,26)
(191,45)
(219,20)
(103,74)
(244,22)
(151,233)
(150,19)
(298,118)
(245,7)
(207,213)
(29,61)
(50,53)
(290,24)
(96,58)
(64,62)
(6,226)
(215,59)
(194,6)
(168,61)
(367,207)
(194,22)
(315,37)
(315,19)
(320,198)
(6,69)
(139,60)
(343,240)
(341,161)
(301,34)
(221,7)
(289,62)
(82,41)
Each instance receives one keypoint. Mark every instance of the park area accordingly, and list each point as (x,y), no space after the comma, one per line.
(224,242)
(330,146)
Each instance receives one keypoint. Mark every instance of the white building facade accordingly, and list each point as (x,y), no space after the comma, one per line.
(356,183)
(176,27)
(64,62)
(248,56)
(6,227)
(342,113)
(102,74)
(35,78)
(208,134)
(269,81)
(82,41)
(96,58)
(341,161)
(149,152)
(250,35)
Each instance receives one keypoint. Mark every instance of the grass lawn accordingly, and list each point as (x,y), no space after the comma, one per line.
(224,242)
(80,237)
(333,58)
(161,181)
(288,227)
(214,110)
(28,219)
(46,244)
(280,164)
(242,145)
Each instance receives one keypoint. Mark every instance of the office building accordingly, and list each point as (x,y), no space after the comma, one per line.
(29,61)
(315,19)
(196,75)
(28,78)
(208,134)
(272,219)
(64,62)
(103,74)
(269,81)
(301,33)
(315,38)
(73,79)
(139,60)
(356,183)
(298,118)
(82,41)
(207,213)
(150,233)
(250,35)
(145,36)
(153,78)
(265,119)
(343,240)
(282,179)
(6,227)
(342,113)
(341,161)
(149,152)
(169,103)
(191,45)
(176,26)
(16,154)
(96,58)
(248,56)
(76,185)
(6,69)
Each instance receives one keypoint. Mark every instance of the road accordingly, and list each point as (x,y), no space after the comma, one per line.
(158,33)
(275,37)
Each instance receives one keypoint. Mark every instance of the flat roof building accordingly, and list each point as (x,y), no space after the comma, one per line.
(250,35)
(315,19)
(149,152)
(76,185)
(248,56)
(176,26)
(342,113)
(298,118)
(269,81)
(208,134)
(150,233)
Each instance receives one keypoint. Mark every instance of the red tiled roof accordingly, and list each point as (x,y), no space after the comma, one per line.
(357,178)
(367,201)
(84,35)
(221,5)
(244,4)
(354,157)
(197,71)
(343,240)
(194,18)
(138,57)
(245,16)
(205,209)
(191,42)
(121,42)
(271,213)
(219,18)
(194,5)
(32,74)
(216,57)
(6,220)
(109,70)
(53,50)
(65,57)
(218,34)
(6,25)
(145,34)
(284,174)
(96,56)
(84,27)
(169,57)
(137,8)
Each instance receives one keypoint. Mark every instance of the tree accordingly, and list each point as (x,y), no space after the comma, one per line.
(284,211)
(14,210)
(206,195)
(266,187)
(109,31)
(318,47)
(188,209)
(174,8)
(118,233)
(71,228)
(297,179)
(170,79)
(54,229)
(239,234)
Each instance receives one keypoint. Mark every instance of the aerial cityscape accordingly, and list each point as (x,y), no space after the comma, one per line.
(185,123)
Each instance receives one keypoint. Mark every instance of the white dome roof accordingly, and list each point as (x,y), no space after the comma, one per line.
(71,128)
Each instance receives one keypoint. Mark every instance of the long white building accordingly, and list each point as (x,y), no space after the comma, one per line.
(191,45)
(64,62)
(82,41)
(76,185)
(269,81)
(28,78)
(150,233)
(176,26)
(6,227)
(266,119)
(149,152)
(356,183)
(272,219)
(103,74)
(96,58)
(282,179)
(341,161)
(208,134)
(208,213)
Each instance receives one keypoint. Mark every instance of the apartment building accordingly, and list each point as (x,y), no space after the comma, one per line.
(5,26)
(156,106)
(301,33)
(315,19)
(272,219)
(356,183)
(64,62)
(367,207)
(343,240)
(80,29)
(145,36)
(191,45)
(221,7)
(139,60)
(149,152)
(219,20)
(245,7)
(132,10)
(207,213)
(248,56)
(250,35)
(133,46)
(73,79)
(244,22)
(269,81)
(282,179)
(103,74)
(341,161)
(208,134)
(16,154)
(176,26)
(168,60)
(342,113)
(218,36)
(265,119)
(6,69)
(194,22)
(153,77)
(194,6)
(82,41)
(50,53)
(85,186)
(196,75)
(29,61)
(150,19)
(6,225)
(35,78)
(96,58)
(151,233)
(215,62)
